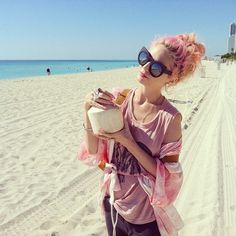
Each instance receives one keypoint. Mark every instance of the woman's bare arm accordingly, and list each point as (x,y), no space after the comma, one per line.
(90,139)
(103,99)
(173,133)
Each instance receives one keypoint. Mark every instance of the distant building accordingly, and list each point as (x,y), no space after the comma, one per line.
(233,29)
(232,39)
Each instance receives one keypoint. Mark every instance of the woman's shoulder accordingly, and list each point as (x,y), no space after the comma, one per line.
(170,109)
(173,131)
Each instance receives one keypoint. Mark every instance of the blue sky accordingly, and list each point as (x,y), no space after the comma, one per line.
(107,29)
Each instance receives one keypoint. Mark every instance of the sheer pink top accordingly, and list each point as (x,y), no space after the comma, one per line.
(138,196)
(132,202)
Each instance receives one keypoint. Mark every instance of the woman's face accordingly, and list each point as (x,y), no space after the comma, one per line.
(159,53)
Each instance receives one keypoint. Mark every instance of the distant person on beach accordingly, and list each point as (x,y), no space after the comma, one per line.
(48,71)
(89,69)
(142,173)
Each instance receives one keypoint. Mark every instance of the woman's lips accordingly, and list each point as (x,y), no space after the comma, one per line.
(142,75)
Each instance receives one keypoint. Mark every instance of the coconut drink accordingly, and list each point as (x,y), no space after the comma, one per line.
(109,120)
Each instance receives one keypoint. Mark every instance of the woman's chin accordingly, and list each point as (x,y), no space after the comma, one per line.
(141,79)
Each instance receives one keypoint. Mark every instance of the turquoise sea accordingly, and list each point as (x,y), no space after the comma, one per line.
(11,69)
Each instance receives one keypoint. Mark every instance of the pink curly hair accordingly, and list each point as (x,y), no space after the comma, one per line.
(185,52)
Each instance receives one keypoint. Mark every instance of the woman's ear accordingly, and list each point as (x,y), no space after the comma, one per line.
(172,79)
(169,78)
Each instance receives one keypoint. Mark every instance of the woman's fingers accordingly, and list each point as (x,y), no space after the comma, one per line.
(104,137)
(106,93)
(98,105)
(105,102)
(104,134)
(100,99)
(107,99)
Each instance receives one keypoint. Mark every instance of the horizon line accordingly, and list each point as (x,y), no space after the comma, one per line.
(68,59)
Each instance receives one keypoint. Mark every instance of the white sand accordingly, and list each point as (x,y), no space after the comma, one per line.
(44,189)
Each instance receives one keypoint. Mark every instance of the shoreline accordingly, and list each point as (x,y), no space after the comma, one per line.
(64,75)
(14,69)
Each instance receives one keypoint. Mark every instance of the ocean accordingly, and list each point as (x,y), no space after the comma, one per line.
(12,69)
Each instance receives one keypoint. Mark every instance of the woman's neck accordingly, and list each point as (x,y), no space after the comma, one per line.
(149,95)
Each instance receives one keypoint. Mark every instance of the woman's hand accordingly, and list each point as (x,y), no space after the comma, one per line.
(99,98)
(121,136)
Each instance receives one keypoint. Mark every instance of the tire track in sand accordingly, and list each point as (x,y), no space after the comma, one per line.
(64,204)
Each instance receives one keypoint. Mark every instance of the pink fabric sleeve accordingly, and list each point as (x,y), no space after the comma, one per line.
(164,189)
(93,159)
(167,184)
(169,175)
(172,148)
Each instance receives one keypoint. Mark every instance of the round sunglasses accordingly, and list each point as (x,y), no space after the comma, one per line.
(156,68)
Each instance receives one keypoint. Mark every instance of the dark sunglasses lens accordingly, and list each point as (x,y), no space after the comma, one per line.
(156,69)
(143,58)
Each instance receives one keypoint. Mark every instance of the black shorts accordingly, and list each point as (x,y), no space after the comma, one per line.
(124,228)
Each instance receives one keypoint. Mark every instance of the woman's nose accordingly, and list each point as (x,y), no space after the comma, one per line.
(146,66)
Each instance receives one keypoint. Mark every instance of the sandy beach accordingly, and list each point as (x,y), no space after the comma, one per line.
(45,189)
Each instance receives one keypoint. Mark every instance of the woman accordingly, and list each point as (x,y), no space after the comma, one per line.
(144,175)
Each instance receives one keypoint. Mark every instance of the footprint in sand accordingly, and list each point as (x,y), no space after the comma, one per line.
(55,234)
(192,203)
(55,164)
(201,216)
(15,157)
(185,126)
(78,196)
(34,185)
(33,159)
(90,209)
(48,224)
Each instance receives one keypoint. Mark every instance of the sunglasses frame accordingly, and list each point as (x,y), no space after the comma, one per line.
(152,61)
